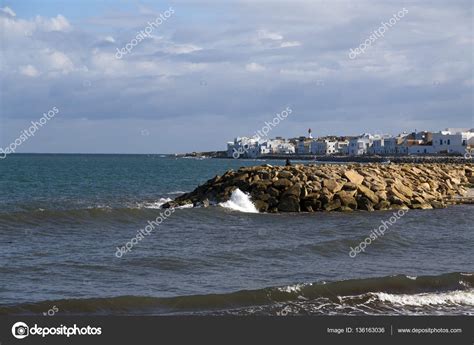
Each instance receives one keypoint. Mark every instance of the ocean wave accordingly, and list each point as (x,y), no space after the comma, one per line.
(239,201)
(185,206)
(443,294)
(424,299)
(108,214)
(156,204)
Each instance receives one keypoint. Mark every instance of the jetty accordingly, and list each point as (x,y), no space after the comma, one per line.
(340,187)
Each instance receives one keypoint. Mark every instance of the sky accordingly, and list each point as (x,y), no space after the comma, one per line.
(214,70)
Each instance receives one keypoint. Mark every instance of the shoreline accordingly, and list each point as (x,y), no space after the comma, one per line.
(337,159)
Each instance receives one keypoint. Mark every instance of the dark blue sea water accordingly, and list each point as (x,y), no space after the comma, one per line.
(63,216)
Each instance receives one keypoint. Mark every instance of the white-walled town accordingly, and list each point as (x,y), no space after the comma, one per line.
(451,141)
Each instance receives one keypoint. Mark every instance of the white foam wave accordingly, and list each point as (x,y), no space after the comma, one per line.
(239,201)
(462,297)
(185,206)
(156,204)
(293,288)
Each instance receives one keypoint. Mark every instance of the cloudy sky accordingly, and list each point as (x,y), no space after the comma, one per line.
(218,69)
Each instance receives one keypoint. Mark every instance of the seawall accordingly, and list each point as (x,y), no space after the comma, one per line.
(337,187)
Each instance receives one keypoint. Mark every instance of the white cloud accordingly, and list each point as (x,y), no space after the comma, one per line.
(254,67)
(231,52)
(181,48)
(58,23)
(58,61)
(267,35)
(8,10)
(29,71)
(290,44)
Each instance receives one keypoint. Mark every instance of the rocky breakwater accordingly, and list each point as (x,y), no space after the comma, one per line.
(334,187)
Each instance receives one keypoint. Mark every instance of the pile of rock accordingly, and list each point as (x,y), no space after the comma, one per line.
(334,187)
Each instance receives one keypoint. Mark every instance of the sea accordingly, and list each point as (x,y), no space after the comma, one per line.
(65,220)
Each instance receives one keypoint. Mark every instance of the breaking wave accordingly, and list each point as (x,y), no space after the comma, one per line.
(447,294)
(156,204)
(239,201)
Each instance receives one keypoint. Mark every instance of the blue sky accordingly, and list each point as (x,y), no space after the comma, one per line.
(214,70)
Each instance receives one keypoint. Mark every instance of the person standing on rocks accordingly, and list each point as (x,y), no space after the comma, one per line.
(288,163)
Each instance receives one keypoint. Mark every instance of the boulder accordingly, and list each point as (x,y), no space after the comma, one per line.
(264,197)
(347,199)
(395,193)
(354,177)
(273,191)
(332,205)
(272,202)
(282,183)
(261,205)
(366,192)
(349,186)
(398,207)
(312,201)
(382,205)
(294,190)
(402,188)
(289,203)
(438,204)
(261,185)
(332,185)
(421,206)
(285,174)
(382,195)
(365,204)
(264,175)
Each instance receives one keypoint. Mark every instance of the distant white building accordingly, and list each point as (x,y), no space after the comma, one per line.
(329,147)
(285,148)
(277,146)
(243,147)
(360,145)
(387,145)
(265,148)
(415,143)
(449,141)
(303,146)
(453,140)
(378,145)
(323,147)
(420,149)
(391,145)
(342,147)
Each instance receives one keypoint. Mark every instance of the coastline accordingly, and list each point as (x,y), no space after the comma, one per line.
(336,187)
(337,158)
